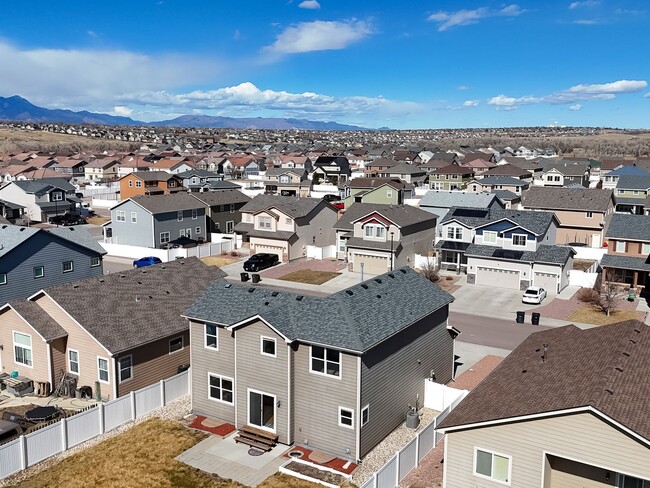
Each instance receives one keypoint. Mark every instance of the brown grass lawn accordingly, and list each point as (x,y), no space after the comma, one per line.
(591,314)
(97,220)
(280,480)
(310,277)
(220,261)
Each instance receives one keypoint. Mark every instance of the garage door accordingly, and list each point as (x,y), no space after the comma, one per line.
(499,278)
(547,281)
(373,265)
(270,250)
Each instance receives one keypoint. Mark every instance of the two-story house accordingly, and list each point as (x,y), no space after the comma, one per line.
(33,258)
(508,170)
(149,183)
(71,168)
(287,225)
(316,371)
(628,250)
(567,408)
(12,213)
(223,209)
(632,191)
(610,179)
(42,199)
(450,177)
(409,173)
(101,169)
(493,183)
(379,165)
(174,165)
(387,191)
(286,182)
(293,161)
(335,169)
(155,221)
(584,214)
(376,238)
(480,165)
(563,174)
(241,166)
(195,180)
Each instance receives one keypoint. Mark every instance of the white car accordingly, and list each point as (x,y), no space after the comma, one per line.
(534,294)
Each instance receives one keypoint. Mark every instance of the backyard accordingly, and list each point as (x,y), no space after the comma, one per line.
(310,276)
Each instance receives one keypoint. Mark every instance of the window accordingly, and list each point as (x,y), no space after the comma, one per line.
(232,208)
(590,215)
(172,183)
(164,237)
(3,278)
(220,388)
(389,193)
(630,482)
(57,196)
(489,237)
(194,214)
(125,365)
(620,246)
(95,261)
(211,336)
(518,240)
(102,369)
(181,233)
(346,418)
(285,179)
(645,249)
(39,271)
(222,208)
(130,184)
(120,215)
(73,361)
(175,344)
(287,221)
(492,466)
(265,222)
(138,184)
(68,266)
(230,225)
(635,192)
(375,231)
(188,233)
(23,349)
(197,230)
(267,346)
(325,361)
(179,216)
(455,233)
(365,415)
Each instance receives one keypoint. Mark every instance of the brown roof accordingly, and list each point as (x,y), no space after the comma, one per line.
(478,163)
(506,170)
(453,169)
(582,199)
(376,182)
(45,325)
(606,368)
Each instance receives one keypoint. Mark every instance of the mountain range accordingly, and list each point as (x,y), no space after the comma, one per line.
(18,109)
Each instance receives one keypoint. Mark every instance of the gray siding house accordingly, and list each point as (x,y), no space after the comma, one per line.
(223,209)
(32,259)
(315,370)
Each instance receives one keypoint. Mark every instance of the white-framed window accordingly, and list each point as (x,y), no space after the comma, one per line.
(125,365)
(492,466)
(389,193)
(489,237)
(164,237)
(454,233)
(267,346)
(188,233)
(518,240)
(365,415)
(68,266)
(3,279)
(39,271)
(102,369)
(438,185)
(284,179)
(232,208)
(120,216)
(73,361)
(620,246)
(220,388)
(175,344)
(195,214)
(181,233)
(635,192)
(95,261)
(197,231)
(325,361)
(375,231)
(138,184)
(222,208)
(230,225)
(134,217)
(172,183)
(264,222)
(589,215)
(645,249)
(287,220)
(179,216)
(57,196)
(346,417)
(23,349)
(211,334)
(130,183)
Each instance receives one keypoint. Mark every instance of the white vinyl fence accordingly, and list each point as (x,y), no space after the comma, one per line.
(60,436)
(114,248)
(412,454)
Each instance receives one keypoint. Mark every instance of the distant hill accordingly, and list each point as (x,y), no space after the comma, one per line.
(18,109)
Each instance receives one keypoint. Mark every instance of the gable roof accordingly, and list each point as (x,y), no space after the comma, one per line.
(501,180)
(506,170)
(156,204)
(535,222)
(222,197)
(376,183)
(45,325)
(567,169)
(629,170)
(545,254)
(453,169)
(583,199)
(77,235)
(152,175)
(294,207)
(629,182)
(626,226)
(44,184)
(604,368)
(339,320)
(401,215)
(12,236)
(403,169)
(448,199)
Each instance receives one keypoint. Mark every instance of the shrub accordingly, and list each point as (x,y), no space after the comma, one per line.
(234,253)
(588,295)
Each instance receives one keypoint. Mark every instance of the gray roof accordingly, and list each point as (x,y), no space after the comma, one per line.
(131,308)
(502,180)
(625,262)
(282,171)
(582,199)
(11,236)
(153,175)
(631,201)
(223,197)
(636,182)
(295,207)
(633,227)
(448,199)
(568,169)
(220,185)
(358,242)
(173,202)
(628,170)
(544,254)
(535,222)
(402,215)
(403,169)
(203,173)
(37,186)
(339,320)
(506,195)
(40,320)
(79,236)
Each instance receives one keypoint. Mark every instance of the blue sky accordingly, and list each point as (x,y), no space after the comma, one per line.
(406,64)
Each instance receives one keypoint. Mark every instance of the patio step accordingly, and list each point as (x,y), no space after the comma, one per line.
(256,438)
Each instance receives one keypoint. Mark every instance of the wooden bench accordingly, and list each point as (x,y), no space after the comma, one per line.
(257,438)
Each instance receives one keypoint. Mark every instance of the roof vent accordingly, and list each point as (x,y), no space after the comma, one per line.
(378,296)
(524,370)
(626,354)
(150,297)
(632,341)
(619,369)
(266,303)
(4,226)
(299,297)
(274,294)
(227,285)
(611,392)
(122,276)
(378,280)
(349,292)
(364,286)
(22,229)
(391,275)
(139,282)
(638,331)
(75,286)
(251,290)
(101,280)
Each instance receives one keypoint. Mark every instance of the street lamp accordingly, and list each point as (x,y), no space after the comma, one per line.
(391,250)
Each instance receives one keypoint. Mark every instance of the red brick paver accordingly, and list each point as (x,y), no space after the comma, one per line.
(336,463)
(221,430)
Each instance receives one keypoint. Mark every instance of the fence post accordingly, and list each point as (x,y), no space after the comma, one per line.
(397,470)
(162,393)
(133,412)
(23,453)
(417,446)
(374,480)
(64,435)
(101,418)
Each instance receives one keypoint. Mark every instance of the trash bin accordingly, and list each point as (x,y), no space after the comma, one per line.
(244,276)
(78,393)
(412,420)
(535,318)
(521,317)
(256,278)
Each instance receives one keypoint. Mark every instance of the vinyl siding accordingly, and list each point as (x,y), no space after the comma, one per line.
(152,363)
(10,321)
(168,222)
(204,361)
(562,473)
(316,405)
(138,234)
(579,437)
(57,353)
(393,373)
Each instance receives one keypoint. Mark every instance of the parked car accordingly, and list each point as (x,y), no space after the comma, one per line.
(534,294)
(261,261)
(67,219)
(146,261)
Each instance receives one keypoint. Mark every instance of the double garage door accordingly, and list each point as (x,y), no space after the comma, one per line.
(373,265)
(548,281)
(499,278)
(270,250)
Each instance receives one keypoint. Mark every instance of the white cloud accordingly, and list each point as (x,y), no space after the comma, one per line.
(647,95)
(468,17)
(587,22)
(310,4)
(470,103)
(92,33)
(319,36)
(122,110)
(462,88)
(575,107)
(620,86)
(583,4)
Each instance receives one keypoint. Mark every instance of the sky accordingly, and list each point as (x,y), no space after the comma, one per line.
(408,64)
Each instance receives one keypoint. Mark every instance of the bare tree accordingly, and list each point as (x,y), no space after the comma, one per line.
(429,270)
(613,289)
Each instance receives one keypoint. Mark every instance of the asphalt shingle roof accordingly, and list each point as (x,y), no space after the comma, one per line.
(626,226)
(625,262)
(339,320)
(502,180)
(45,325)
(629,182)
(535,222)
(544,254)
(629,170)
(401,215)
(79,236)
(583,199)
(167,203)
(223,197)
(449,199)
(11,236)
(295,207)
(37,186)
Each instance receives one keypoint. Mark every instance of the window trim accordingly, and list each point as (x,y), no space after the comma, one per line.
(367,410)
(351,411)
(179,216)
(455,229)
(42,272)
(195,214)
(262,220)
(3,279)
(232,208)
(643,245)
(490,232)
(71,263)
(616,249)
(230,223)
(205,336)
(92,260)
(490,478)
(78,373)
(275,346)
(520,235)
(221,378)
(168,236)
(178,350)
(325,373)
(134,217)
(30,347)
(589,215)
(197,231)
(130,183)
(138,184)
(120,215)
(108,370)
(120,369)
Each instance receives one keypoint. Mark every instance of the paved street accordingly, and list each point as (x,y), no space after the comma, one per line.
(492,332)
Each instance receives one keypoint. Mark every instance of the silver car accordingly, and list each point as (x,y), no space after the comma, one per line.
(534,294)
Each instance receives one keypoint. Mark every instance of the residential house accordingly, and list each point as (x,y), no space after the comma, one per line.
(487,159)
(32,258)
(314,370)
(71,168)
(505,248)
(196,179)
(449,157)
(632,192)
(286,182)
(583,214)
(122,331)
(493,183)
(101,169)
(628,250)
(409,173)
(335,169)
(433,164)
(218,186)
(131,164)
(451,177)
(610,179)
(406,155)
(42,199)
(479,165)
(223,209)
(389,191)
(12,213)
(563,174)
(376,238)
(242,166)
(156,221)
(567,408)
(287,226)
(379,165)
(508,170)
(172,165)
(149,183)
(293,161)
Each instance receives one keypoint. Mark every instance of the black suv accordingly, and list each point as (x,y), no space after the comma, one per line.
(261,261)
(67,219)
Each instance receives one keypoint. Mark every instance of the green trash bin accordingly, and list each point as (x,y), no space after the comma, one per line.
(631,297)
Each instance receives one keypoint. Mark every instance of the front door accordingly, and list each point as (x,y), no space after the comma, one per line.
(261,410)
